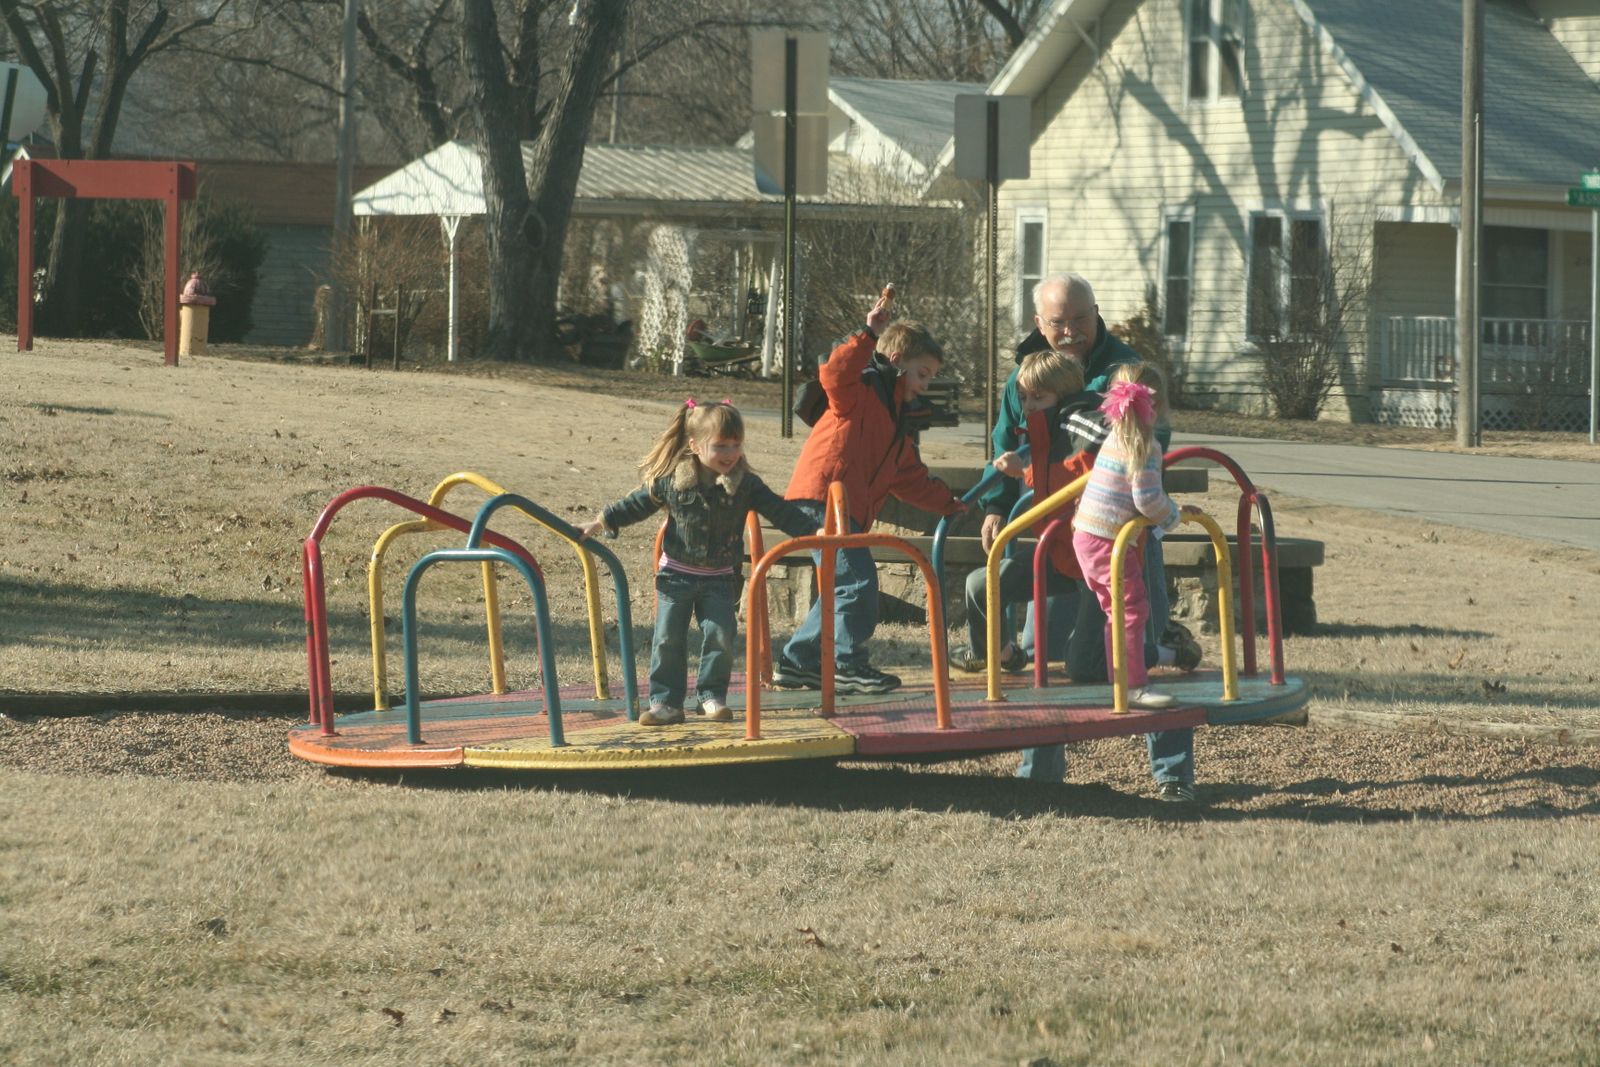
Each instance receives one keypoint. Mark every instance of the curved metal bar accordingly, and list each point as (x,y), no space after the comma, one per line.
(1008,533)
(1119,651)
(541,621)
(1251,497)
(380,666)
(619,577)
(316,599)
(836,510)
(1219,548)
(754,618)
(989,477)
(591,584)
(1119,639)
(1269,581)
(825,543)
(1054,532)
(1244,541)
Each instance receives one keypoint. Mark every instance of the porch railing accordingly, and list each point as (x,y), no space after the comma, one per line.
(1515,354)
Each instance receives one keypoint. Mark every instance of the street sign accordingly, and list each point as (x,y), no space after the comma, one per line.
(1590,179)
(1584,198)
(810,157)
(767,50)
(1012,131)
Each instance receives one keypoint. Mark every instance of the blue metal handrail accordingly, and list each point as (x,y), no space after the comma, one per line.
(619,577)
(541,621)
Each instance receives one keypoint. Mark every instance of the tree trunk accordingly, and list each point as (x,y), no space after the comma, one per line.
(527,209)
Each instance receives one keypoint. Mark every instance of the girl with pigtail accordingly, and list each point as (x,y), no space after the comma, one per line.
(697,472)
(1125,482)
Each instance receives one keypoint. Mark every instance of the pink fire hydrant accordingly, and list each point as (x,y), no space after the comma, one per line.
(194,316)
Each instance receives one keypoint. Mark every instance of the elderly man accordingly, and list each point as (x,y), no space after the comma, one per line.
(1067,319)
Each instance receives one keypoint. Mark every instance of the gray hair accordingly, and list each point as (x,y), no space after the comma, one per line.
(1071,282)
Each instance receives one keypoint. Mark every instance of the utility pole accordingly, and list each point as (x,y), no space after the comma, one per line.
(334,336)
(1470,233)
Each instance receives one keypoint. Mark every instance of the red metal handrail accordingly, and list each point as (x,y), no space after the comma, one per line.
(1249,498)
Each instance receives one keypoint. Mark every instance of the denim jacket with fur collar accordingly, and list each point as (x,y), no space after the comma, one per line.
(706,513)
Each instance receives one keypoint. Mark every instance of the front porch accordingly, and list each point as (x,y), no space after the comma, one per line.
(1533,373)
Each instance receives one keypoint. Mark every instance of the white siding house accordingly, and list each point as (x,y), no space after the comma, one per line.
(1202,150)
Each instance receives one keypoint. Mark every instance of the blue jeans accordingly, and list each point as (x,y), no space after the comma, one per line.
(1171,751)
(855,607)
(1016,583)
(679,598)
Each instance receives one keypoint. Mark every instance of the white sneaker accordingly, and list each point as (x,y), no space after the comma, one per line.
(1149,699)
(716,710)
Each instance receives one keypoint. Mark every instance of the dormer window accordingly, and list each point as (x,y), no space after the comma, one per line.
(1216,50)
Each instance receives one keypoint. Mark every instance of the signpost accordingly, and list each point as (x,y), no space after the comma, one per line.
(992,141)
(790,125)
(1587,194)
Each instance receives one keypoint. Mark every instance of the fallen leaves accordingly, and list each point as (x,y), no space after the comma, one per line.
(810,937)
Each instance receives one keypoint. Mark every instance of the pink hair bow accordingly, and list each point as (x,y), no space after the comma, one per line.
(1125,396)
(689,402)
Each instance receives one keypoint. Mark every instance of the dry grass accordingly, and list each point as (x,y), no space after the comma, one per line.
(178,890)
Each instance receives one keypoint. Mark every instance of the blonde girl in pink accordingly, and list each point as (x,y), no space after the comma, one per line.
(1125,482)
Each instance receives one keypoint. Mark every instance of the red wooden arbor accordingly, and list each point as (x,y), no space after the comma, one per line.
(94,179)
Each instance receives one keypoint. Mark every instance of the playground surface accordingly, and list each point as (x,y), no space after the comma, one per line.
(1342,895)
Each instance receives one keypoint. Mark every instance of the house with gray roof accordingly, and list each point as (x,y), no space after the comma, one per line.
(1219,160)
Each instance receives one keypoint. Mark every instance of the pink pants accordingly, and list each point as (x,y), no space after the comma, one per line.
(1094,557)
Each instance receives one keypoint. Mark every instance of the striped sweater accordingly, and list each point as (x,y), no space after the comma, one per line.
(1114,495)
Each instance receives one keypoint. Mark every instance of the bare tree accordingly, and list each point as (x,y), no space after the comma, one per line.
(943,40)
(85,53)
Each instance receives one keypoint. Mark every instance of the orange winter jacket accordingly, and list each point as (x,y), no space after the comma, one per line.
(861,442)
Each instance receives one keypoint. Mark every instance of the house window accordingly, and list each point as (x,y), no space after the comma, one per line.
(1031,259)
(1288,275)
(1516,273)
(1177,274)
(1216,49)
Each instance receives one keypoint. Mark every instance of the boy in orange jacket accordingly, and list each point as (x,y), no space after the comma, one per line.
(861,440)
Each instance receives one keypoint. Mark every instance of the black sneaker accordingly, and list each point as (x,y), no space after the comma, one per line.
(788,676)
(1175,792)
(1186,650)
(969,662)
(864,679)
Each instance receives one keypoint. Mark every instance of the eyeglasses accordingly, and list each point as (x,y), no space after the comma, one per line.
(1081,321)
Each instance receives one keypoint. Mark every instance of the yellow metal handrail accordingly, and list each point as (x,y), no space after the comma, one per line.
(1044,509)
(1119,652)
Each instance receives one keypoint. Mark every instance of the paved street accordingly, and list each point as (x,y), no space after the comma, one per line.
(1547,499)
(1550,500)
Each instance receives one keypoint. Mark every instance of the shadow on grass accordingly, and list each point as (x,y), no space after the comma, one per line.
(1509,696)
(1361,629)
(55,613)
(857,787)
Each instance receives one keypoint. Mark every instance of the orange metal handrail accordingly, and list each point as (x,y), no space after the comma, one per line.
(827,543)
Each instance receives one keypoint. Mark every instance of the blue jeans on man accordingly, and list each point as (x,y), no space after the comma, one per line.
(680,598)
(1082,645)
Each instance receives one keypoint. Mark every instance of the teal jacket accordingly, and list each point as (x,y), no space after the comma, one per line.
(1010,427)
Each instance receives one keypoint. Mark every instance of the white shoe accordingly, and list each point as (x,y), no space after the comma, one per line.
(716,710)
(1149,699)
